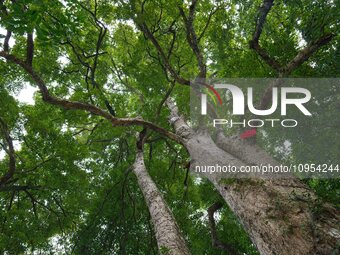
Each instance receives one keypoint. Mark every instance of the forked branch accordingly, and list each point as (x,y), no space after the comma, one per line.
(283,70)
(148,34)
(299,59)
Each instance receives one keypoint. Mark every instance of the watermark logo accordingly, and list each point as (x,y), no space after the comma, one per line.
(238,99)
(230,101)
(293,119)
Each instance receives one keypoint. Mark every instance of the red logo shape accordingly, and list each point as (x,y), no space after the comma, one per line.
(248,133)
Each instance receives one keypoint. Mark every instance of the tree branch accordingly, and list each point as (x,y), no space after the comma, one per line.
(181,127)
(192,37)
(207,23)
(167,94)
(148,34)
(92,69)
(254,43)
(29,49)
(261,18)
(283,70)
(6,42)
(166,61)
(124,82)
(297,61)
(306,53)
(11,154)
(4,11)
(18,188)
(75,105)
(215,241)
(265,56)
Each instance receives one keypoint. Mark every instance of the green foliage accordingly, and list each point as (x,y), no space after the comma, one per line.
(86,200)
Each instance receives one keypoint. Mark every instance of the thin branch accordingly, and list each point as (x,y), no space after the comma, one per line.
(265,56)
(11,201)
(33,201)
(174,36)
(19,188)
(283,70)
(119,75)
(148,34)
(261,18)
(59,204)
(207,23)
(297,61)
(92,69)
(40,164)
(306,53)
(4,11)
(30,49)
(11,154)
(192,37)
(164,99)
(254,43)
(6,42)
(215,241)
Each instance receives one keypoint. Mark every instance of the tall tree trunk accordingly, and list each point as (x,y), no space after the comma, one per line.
(279,214)
(168,236)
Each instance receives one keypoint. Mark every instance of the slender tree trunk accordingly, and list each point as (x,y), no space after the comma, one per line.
(281,216)
(168,236)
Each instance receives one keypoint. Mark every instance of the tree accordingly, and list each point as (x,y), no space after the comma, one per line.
(106,70)
(169,238)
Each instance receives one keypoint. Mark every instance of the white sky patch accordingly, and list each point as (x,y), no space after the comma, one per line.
(16,145)
(2,154)
(64,128)
(198,180)
(129,22)
(26,95)
(285,150)
(264,133)
(63,61)
(63,2)
(301,42)
(217,216)
(204,217)
(60,245)
(288,146)
(313,64)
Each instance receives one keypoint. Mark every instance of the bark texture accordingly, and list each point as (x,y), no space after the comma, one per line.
(168,236)
(281,216)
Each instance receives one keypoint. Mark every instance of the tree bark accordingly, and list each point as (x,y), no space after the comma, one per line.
(281,216)
(168,236)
